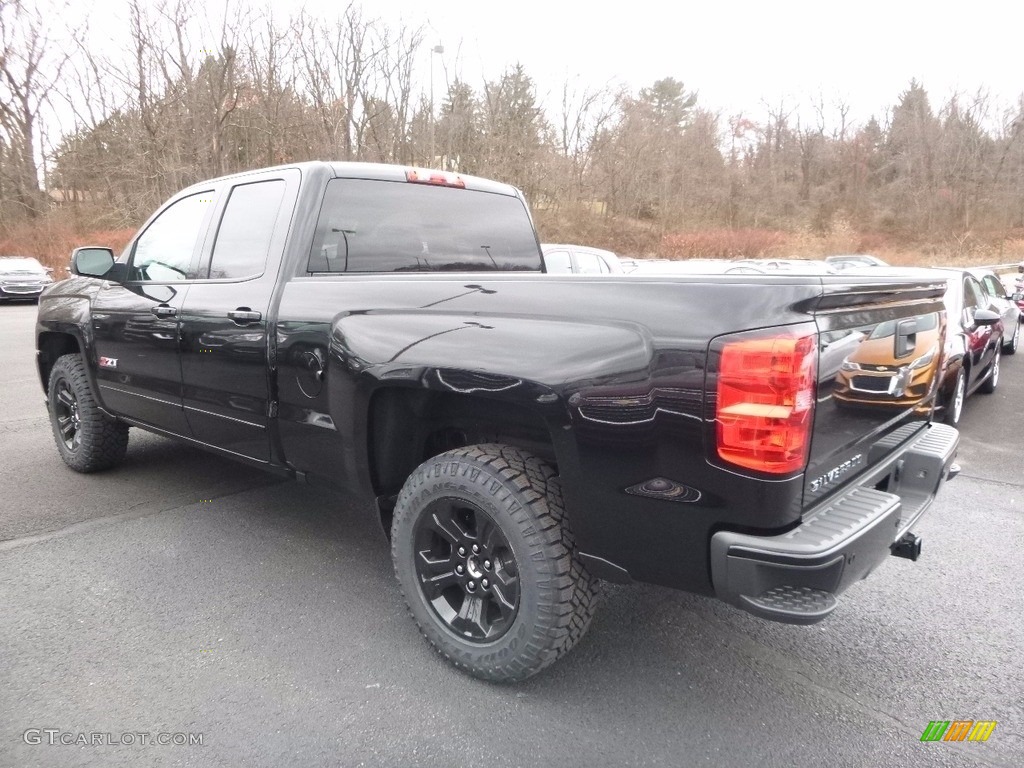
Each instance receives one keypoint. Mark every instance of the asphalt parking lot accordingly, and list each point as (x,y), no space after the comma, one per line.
(184,594)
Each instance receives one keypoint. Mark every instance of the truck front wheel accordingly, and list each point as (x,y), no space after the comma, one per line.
(487,563)
(87,440)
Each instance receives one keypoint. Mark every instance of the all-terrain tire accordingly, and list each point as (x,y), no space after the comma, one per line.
(88,441)
(502,509)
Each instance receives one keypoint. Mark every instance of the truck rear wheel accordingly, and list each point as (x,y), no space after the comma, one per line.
(87,440)
(487,563)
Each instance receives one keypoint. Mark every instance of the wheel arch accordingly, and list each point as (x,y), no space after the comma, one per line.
(50,345)
(407,426)
(520,542)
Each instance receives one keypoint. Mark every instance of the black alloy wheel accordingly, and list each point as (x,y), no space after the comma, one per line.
(69,426)
(467,571)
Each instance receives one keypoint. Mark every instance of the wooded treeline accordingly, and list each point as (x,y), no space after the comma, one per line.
(179,94)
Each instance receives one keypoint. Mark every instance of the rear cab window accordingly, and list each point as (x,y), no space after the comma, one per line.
(374,226)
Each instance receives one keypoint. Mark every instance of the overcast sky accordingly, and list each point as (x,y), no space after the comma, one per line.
(737,54)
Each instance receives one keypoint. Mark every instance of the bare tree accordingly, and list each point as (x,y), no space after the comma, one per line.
(583,114)
(393,70)
(188,90)
(269,50)
(337,60)
(514,131)
(29,67)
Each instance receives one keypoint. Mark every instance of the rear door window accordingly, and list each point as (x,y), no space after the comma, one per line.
(246,229)
(588,263)
(386,226)
(558,262)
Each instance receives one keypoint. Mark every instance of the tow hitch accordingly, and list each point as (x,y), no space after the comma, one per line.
(908,546)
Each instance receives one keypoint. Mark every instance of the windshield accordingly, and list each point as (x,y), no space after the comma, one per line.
(387,226)
(888,328)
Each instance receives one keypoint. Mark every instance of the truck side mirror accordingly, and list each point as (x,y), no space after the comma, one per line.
(91,261)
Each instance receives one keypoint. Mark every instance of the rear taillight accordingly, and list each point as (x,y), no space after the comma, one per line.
(765,406)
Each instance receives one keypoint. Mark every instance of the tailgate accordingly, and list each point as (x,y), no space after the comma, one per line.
(880,351)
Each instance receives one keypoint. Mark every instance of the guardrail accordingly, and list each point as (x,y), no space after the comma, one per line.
(1009,275)
(1004,268)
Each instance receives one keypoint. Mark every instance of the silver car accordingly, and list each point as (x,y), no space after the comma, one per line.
(22,277)
(1002,302)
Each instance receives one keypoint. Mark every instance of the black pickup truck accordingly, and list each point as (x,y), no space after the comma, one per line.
(763,439)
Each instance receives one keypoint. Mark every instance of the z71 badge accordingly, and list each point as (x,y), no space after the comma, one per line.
(835,474)
(108,362)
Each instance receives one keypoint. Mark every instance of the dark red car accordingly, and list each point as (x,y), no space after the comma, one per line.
(974,341)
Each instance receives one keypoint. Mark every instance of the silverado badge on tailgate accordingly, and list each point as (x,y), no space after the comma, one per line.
(837,473)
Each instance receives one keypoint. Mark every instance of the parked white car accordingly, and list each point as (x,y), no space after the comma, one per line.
(855,260)
(560,259)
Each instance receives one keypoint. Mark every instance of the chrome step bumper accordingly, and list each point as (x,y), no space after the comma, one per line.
(796,576)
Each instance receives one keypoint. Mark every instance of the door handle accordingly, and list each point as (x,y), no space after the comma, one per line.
(162,310)
(244,315)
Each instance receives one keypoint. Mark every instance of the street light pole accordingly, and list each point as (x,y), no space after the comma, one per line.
(435,49)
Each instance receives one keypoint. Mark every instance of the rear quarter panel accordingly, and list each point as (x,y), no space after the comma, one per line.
(616,367)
